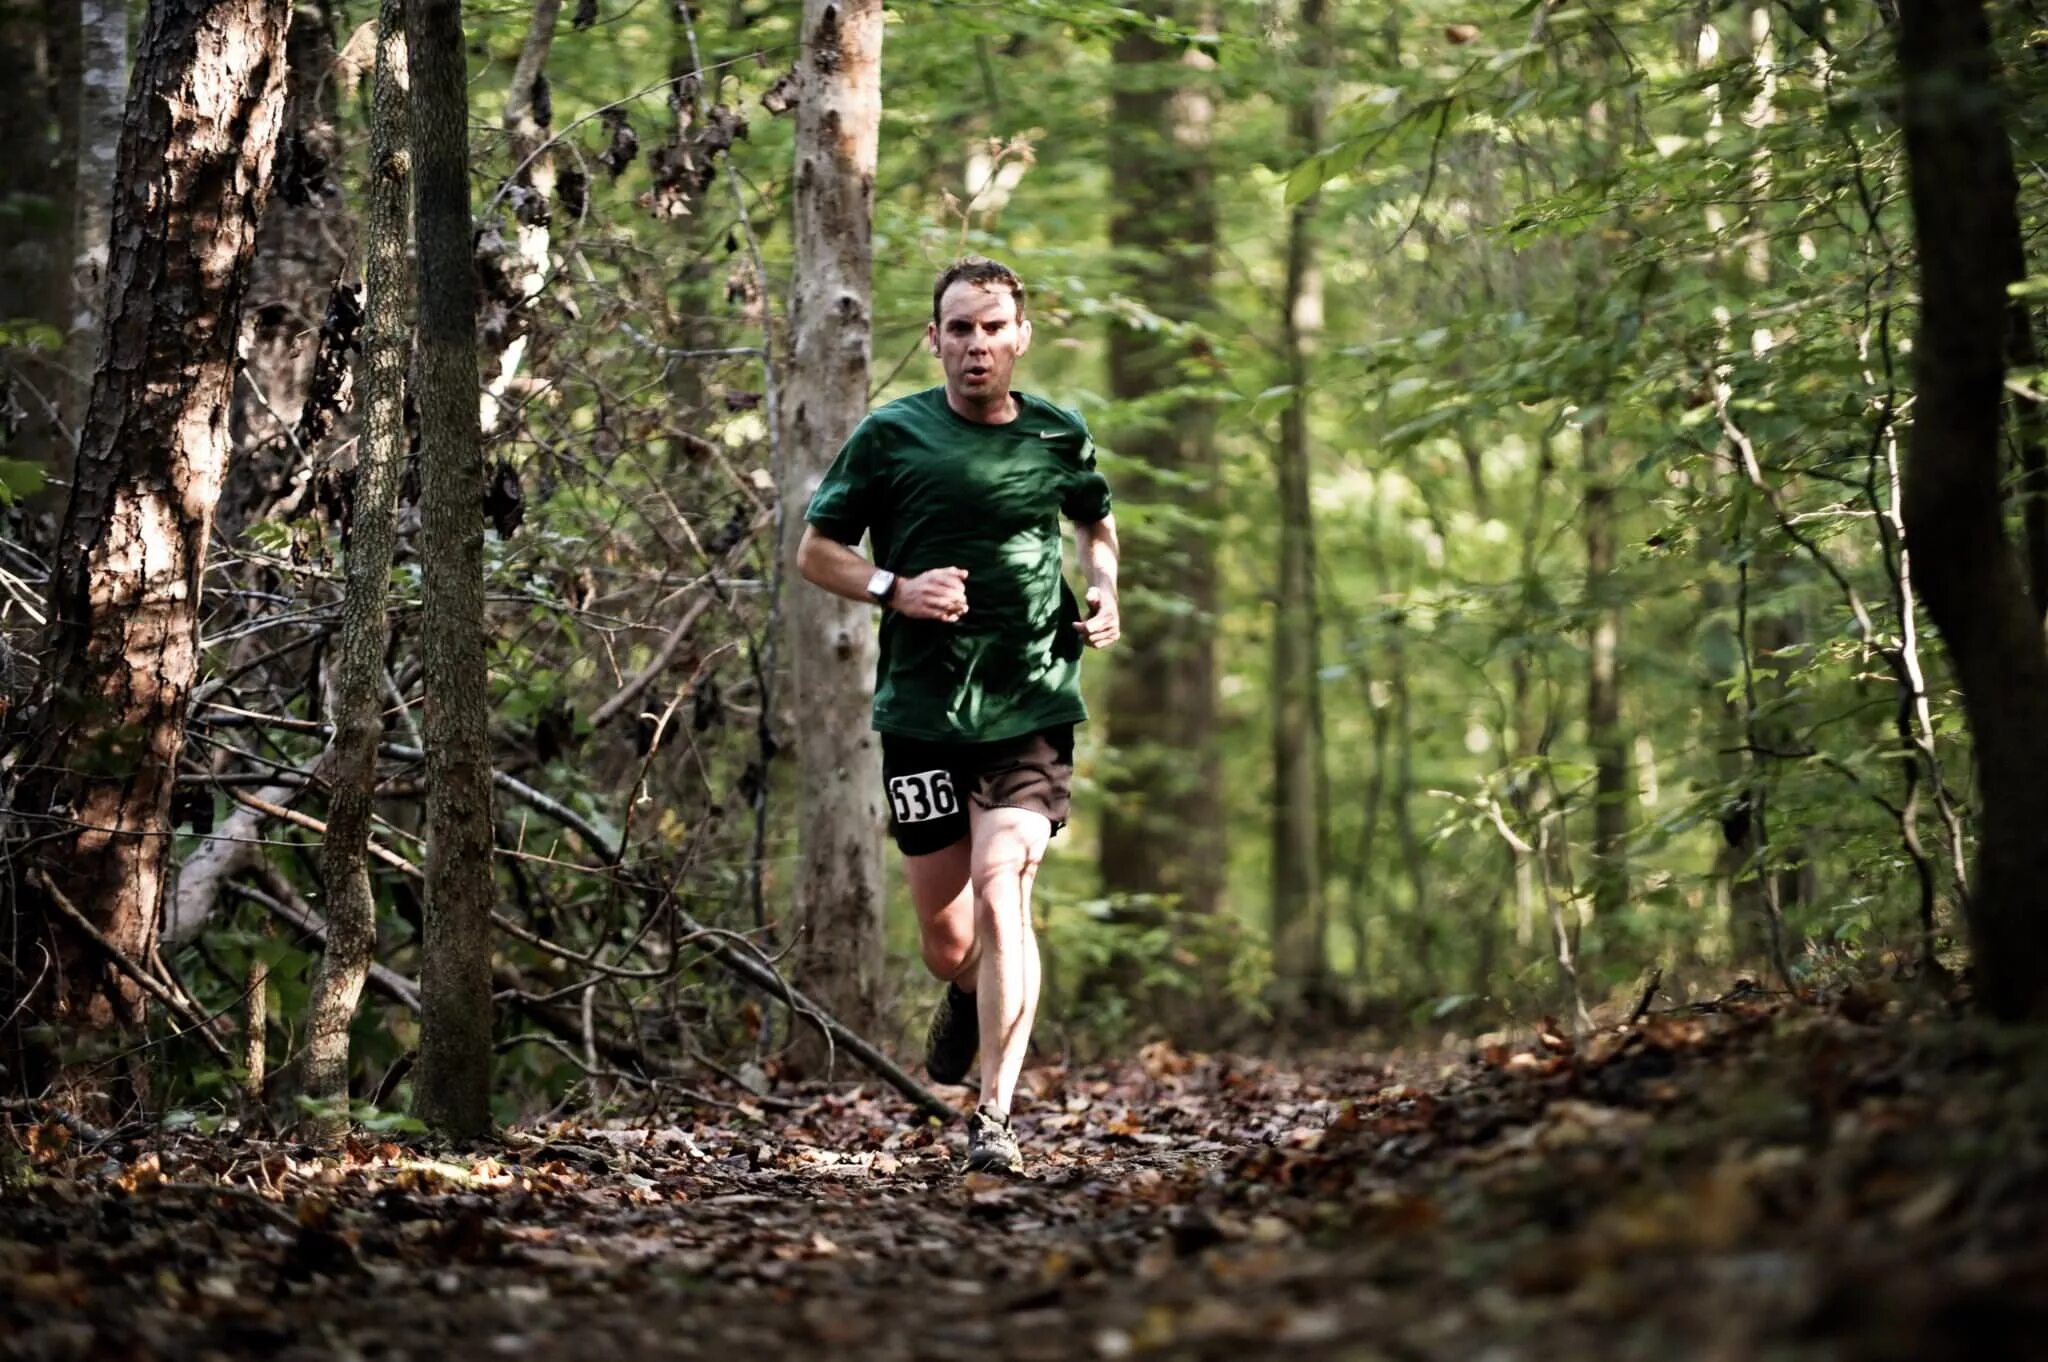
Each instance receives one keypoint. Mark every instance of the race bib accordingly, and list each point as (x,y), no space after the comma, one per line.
(922,797)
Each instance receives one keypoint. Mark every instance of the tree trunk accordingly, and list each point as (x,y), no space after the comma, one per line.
(1963,190)
(39,63)
(1603,678)
(1162,827)
(1425,918)
(102,93)
(528,114)
(358,678)
(839,889)
(452,1089)
(1300,929)
(302,250)
(100,755)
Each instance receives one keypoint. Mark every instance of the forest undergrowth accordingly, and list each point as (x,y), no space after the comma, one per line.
(1859,1176)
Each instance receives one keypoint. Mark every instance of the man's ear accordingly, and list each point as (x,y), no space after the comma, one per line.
(1023,336)
(931,337)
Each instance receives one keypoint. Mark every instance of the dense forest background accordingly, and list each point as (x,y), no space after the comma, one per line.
(1507,404)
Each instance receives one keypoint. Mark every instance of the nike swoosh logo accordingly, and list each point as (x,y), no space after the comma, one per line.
(1050,434)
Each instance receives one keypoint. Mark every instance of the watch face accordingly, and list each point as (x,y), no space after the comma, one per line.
(881,584)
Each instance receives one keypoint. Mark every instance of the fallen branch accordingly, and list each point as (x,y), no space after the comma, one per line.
(742,958)
(231,851)
(734,952)
(639,681)
(148,983)
(652,1082)
(295,912)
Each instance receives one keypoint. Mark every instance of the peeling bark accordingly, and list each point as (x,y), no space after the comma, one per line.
(99,756)
(303,247)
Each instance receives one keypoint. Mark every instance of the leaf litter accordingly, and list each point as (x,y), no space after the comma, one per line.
(1739,1180)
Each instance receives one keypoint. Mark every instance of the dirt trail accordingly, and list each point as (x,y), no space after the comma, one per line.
(1739,1183)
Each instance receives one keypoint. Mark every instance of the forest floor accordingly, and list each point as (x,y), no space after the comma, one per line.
(1740,1180)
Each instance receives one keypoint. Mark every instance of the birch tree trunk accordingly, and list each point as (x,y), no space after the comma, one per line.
(1300,927)
(358,676)
(99,757)
(1966,222)
(452,1088)
(1162,823)
(839,888)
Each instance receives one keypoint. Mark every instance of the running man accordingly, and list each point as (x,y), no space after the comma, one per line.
(960,490)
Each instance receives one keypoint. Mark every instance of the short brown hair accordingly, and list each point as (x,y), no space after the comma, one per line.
(976,269)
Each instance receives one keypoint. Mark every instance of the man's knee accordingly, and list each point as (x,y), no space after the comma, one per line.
(947,950)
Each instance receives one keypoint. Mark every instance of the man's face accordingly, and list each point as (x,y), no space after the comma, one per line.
(977,339)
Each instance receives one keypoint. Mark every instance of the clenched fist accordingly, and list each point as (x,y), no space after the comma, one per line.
(940,594)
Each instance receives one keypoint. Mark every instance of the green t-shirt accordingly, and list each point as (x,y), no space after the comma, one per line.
(934,489)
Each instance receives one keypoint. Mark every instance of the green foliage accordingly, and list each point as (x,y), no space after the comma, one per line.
(363,1115)
(1121,970)
(1569,255)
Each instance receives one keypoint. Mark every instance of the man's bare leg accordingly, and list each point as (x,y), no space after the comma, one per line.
(943,893)
(942,889)
(1008,845)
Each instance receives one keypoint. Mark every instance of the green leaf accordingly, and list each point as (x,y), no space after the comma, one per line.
(19,478)
(1306,179)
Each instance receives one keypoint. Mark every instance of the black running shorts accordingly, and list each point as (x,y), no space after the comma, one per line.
(928,783)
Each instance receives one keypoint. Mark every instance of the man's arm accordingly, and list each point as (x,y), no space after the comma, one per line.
(1096,546)
(940,594)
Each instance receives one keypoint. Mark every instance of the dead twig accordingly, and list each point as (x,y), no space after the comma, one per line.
(1650,987)
(120,959)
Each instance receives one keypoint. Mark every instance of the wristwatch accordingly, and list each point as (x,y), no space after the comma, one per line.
(881,586)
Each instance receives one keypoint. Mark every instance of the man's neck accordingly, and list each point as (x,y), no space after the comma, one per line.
(998,411)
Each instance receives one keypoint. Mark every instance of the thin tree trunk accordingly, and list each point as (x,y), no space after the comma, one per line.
(1603,678)
(256,1023)
(303,249)
(839,888)
(1162,822)
(1963,190)
(2030,428)
(1300,929)
(1528,742)
(39,63)
(1414,858)
(528,115)
(358,677)
(102,93)
(453,1086)
(100,754)
(1361,878)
